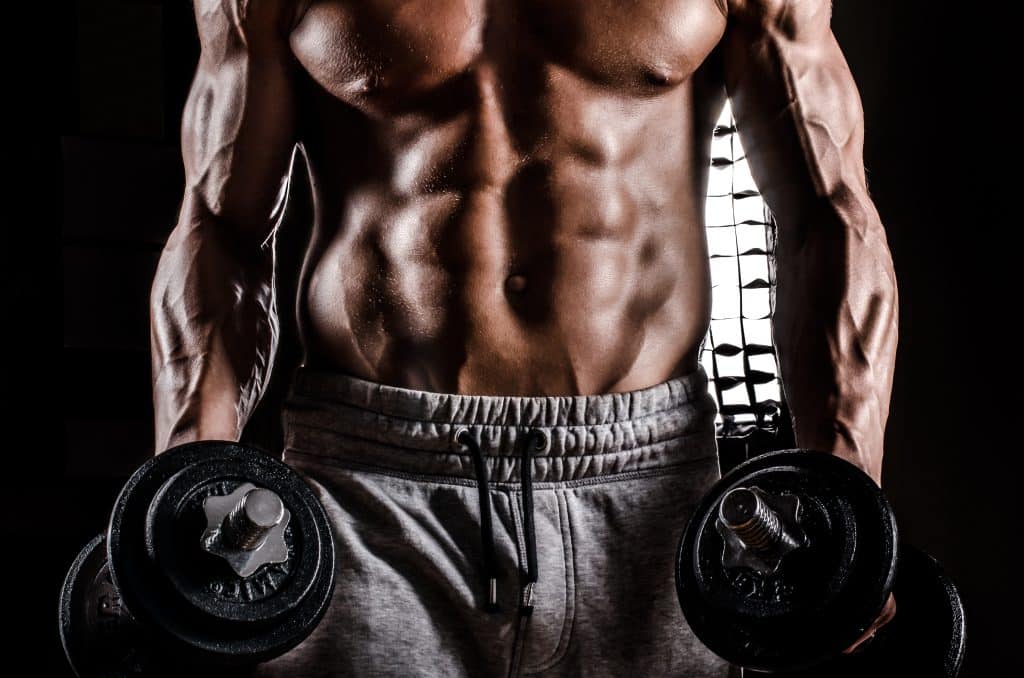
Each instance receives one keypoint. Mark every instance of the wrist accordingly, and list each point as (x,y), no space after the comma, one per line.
(212,424)
(862,449)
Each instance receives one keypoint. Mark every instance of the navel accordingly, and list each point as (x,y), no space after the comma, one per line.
(515,284)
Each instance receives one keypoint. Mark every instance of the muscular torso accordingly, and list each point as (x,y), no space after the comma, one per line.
(509,194)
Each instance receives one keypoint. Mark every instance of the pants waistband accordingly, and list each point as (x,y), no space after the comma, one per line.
(352,420)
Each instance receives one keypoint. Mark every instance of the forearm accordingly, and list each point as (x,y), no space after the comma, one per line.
(835,320)
(836,330)
(213,330)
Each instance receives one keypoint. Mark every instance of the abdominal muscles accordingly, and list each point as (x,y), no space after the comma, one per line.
(567,277)
(509,195)
(546,248)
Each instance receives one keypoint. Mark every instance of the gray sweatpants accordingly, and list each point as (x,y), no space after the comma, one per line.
(502,536)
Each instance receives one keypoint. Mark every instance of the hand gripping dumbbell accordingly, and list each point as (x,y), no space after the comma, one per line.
(216,556)
(790,558)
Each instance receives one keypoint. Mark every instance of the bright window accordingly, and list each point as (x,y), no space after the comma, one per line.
(738,352)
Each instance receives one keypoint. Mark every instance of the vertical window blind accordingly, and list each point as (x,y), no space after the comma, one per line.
(738,352)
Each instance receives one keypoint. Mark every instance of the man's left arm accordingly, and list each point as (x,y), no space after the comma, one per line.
(799,117)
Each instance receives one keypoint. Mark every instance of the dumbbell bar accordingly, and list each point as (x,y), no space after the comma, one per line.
(215,555)
(789,559)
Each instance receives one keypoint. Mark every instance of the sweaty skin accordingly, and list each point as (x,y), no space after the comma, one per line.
(509,199)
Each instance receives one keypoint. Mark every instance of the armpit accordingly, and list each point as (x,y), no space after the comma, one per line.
(247,19)
(793,18)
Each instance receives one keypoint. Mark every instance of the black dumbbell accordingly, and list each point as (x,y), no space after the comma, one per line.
(216,556)
(789,559)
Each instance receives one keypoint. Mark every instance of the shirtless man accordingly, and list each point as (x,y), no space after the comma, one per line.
(504,297)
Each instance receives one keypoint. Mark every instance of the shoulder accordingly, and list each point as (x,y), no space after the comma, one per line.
(791,16)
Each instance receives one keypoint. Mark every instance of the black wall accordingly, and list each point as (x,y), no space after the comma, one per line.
(90,205)
(940,168)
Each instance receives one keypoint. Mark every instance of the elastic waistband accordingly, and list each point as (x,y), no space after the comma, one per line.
(350,420)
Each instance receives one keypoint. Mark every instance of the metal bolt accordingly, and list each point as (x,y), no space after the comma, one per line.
(246,528)
(749,517)
(247,524)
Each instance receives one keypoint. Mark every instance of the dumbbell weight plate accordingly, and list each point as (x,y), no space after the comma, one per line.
(823,597)
(100,638)
(927,637)
(929,629)
(176,516)
(200,606)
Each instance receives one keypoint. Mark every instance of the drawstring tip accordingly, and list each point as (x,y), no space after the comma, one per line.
(526,601)
(492,593)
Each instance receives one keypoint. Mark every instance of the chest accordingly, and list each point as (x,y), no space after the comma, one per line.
(365,48)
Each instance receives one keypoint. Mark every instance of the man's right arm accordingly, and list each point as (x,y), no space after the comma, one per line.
(213,320)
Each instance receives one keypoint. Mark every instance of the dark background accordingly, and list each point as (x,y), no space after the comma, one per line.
(91,205)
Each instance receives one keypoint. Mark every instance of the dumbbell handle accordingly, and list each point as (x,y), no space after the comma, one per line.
(253,517)
(246,528)
(756,535)
(751,519)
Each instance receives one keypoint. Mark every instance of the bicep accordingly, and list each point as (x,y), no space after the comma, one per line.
(238,127)
(797,107)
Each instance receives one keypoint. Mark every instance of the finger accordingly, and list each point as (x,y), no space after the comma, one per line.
(888,612)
